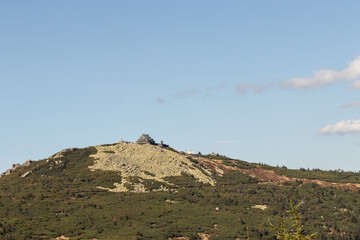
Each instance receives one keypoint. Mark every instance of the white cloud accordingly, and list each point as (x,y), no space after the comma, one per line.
(355,84)
(343,127)
(325,77)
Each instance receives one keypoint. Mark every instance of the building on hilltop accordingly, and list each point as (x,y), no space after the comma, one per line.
(145,139)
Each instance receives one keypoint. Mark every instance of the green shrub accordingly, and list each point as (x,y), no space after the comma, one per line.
(294,232)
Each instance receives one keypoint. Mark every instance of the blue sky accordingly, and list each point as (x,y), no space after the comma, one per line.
(264,81)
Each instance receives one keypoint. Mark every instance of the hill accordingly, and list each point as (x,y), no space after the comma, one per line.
(142,191)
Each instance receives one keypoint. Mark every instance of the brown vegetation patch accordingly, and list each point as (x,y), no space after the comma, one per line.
(216,166)
(266,175)
(270,177)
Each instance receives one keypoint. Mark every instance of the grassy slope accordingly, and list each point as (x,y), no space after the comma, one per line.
(65,200)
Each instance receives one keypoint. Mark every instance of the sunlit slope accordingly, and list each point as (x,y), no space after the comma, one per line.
(145,161)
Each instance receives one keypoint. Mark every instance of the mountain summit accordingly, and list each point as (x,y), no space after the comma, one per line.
(146,190)
(146,162)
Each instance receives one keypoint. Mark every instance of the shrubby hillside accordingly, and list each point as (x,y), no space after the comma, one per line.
(133,191)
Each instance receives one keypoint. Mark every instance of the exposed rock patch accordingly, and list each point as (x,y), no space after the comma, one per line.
(16,166)
(60,154)
(262,207)
(26,174)
(62,237)
(270,177)
(145,161)
(216,166)
(205,236)
(27,163)
(13,168)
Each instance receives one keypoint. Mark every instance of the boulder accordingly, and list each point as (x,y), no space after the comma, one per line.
(26,174)
(15,166)
(7,172)
(60,154)
(27,163)
(62,237)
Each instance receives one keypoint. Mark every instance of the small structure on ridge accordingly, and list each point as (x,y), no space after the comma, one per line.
(146,139)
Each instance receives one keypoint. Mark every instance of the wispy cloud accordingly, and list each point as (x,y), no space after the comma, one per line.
(342,127)
(244,88)
(355,84)
(216,88)
(185,93)
(159,100)
(320,78)
(325,77)
(178,95)
(351,105)
(207,90)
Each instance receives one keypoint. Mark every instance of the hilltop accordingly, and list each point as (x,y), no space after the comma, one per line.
(147,162)
(141,191)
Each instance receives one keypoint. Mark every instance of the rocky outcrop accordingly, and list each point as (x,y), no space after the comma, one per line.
(27,163)
(26,174)
(60,154)
(7,172)
(16,166)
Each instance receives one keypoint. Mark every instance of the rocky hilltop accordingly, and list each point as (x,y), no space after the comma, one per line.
(153,162)
(145,161)
(147,190)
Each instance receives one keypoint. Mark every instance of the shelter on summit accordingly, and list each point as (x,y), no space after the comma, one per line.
(145,139)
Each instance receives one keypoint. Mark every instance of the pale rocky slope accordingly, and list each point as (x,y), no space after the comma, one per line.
(145,161)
